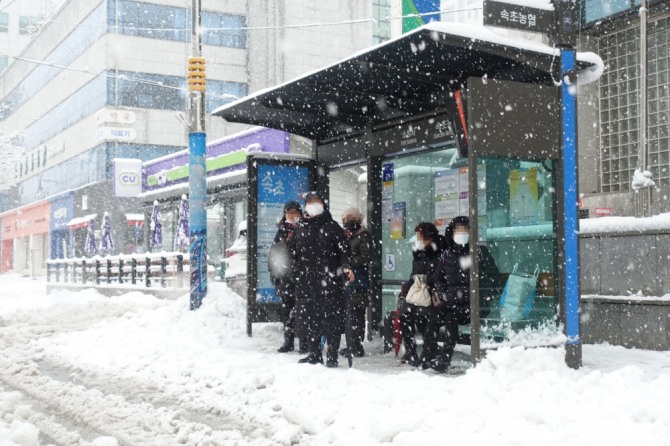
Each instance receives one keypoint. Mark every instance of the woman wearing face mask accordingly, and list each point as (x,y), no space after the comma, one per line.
(452,283)
(282,275)
(321,255)
(427,249)
(360,242)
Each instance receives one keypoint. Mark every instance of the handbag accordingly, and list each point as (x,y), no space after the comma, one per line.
(518,297)
(418,294)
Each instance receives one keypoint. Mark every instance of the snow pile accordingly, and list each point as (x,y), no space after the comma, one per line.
(624,224)
(138,370)
(642,179)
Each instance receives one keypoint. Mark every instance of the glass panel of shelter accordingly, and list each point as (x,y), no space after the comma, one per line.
(410,195)
(516,205)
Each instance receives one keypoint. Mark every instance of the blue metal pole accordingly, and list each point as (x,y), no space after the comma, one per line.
(571,220)
(197,174)
(197,183)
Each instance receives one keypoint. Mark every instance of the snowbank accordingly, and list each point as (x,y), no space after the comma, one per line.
(139,370)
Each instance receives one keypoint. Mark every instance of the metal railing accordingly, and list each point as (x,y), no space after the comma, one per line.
(160,270)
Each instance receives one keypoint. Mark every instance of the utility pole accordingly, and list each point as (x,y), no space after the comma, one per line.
(197,182)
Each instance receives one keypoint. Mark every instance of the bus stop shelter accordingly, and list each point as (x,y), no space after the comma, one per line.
(449,120)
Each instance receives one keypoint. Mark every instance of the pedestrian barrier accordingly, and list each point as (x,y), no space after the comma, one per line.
(166,273)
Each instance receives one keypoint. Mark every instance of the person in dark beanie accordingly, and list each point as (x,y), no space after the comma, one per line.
(321,254)
(452,284)
(282,274)
(360,242)
(427,250)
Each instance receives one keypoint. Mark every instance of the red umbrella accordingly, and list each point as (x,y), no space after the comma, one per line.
(397,333)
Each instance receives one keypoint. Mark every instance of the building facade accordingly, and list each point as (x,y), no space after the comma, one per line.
(19,21)
(104,79)
(612,29)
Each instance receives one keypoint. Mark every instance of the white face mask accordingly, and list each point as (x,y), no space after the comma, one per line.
(293,220)
(418,245)
(314,209)
(462,239)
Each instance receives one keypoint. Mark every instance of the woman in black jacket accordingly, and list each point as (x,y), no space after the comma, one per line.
(452,284)
(427,250)
(282,275)
(321,254)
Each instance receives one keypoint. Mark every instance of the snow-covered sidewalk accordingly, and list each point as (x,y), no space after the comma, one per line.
(81,368)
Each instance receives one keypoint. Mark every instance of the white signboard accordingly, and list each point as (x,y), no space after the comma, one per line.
(116,134)
(127,177)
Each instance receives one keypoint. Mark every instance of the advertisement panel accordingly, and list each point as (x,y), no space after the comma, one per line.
(417,13)
(277,184)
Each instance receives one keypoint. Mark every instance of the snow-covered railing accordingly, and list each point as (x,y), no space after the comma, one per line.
(163,270)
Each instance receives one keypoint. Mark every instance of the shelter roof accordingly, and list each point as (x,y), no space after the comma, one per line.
(407,76)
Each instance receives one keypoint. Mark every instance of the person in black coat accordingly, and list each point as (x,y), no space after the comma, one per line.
(427,250)
(282,273)
(360,242)
(321,254)
(452,284)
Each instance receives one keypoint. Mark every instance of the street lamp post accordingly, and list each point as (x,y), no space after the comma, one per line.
(197,183)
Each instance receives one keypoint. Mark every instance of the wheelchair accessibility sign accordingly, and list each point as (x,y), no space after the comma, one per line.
(390,262)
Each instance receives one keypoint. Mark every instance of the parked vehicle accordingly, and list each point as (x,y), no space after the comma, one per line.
(236,255)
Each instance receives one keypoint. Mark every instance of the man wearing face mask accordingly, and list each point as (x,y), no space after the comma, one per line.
(452,284)
(321,255)
(283,275)
(360,242)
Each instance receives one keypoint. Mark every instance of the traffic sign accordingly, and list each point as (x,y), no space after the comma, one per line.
(521,18)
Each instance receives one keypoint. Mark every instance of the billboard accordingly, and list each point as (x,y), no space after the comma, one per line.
(416,13)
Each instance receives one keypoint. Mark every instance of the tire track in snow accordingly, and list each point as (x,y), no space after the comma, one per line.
(71,407)
(187,408)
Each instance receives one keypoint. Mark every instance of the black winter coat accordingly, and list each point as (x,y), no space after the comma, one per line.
(284,285)
(361,247)
(320,251)
(452,281)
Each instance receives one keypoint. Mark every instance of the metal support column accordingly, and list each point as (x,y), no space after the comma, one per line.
(573,346)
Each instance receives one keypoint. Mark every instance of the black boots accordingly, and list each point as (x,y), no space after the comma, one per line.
(316,357)
(302,346)
(288,343)
(312,358)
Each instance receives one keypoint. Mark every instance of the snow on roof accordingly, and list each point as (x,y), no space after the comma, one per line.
(81,220)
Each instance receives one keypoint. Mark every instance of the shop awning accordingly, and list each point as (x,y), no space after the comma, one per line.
(81,222)
(399,79)
(135,219)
